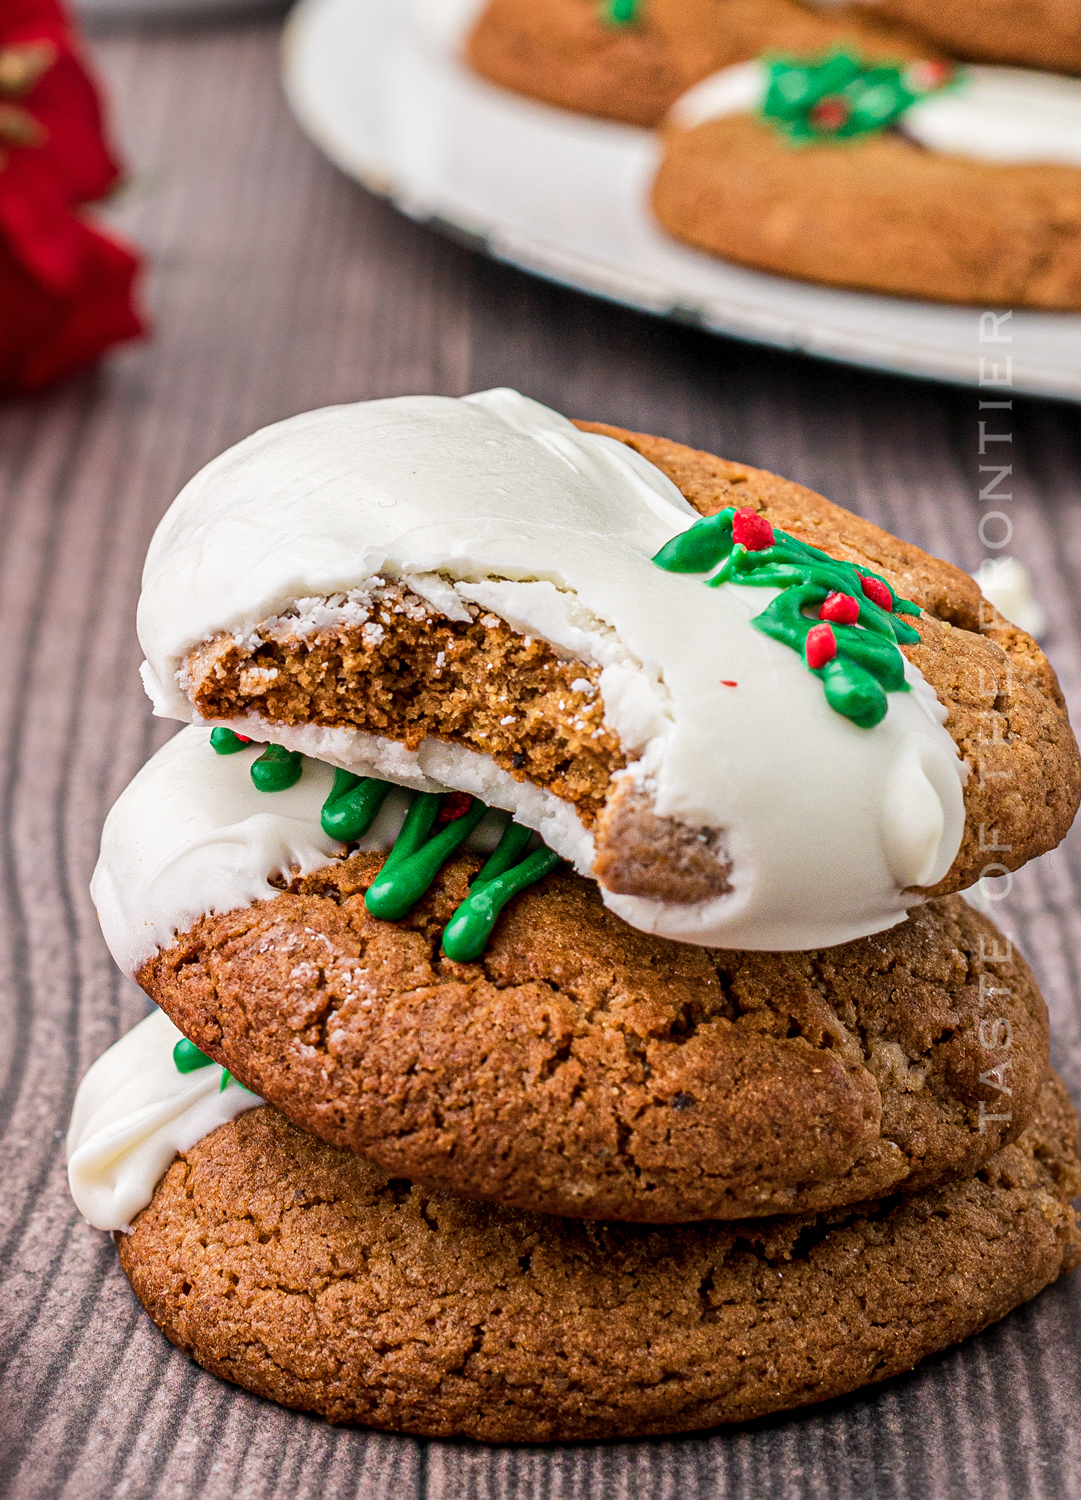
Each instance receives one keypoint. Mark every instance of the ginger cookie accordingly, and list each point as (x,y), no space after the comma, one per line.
(308,1276)
(630,60)
(955,187)
(755,720)
(507,1037)
(1027,33)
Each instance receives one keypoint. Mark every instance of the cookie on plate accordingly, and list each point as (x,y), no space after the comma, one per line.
(306,1275)
(756,720)
(630,60)
(1028,33)
(954,187)
(561,1061)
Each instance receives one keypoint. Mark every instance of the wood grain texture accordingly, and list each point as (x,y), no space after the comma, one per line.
(278,286)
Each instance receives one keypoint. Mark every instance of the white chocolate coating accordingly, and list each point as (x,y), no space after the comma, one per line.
(134,1112)
(989,114)
(191,835)
(497,500)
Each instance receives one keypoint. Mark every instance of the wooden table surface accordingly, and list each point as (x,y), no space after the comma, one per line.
(277,285)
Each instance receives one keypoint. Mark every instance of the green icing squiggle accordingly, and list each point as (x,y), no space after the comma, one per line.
(350,809)
(414,861)
(416,858)
(418,855)
(187,1058)
(866,665)
(277,769)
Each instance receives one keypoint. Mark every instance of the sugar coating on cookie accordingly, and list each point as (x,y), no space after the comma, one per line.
(619,710)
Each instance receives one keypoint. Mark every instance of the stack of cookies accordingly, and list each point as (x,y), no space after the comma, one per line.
(570,1023)
(837,143)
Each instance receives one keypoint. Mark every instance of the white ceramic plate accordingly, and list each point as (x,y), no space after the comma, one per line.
(565,196)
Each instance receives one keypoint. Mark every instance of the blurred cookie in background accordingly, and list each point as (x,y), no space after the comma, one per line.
(630,60)
(914,180)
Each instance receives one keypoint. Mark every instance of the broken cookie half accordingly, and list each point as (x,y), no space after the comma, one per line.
(742,728)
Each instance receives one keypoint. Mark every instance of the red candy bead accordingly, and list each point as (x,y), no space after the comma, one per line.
(820,646)
(878,593)
(841,609)
(830,114)
(923,77)
(751,530)
(454,805)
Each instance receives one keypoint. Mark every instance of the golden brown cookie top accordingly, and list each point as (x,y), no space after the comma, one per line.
(567,53)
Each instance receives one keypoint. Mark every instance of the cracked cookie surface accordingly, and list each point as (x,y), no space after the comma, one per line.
(582,1067)
(302,1273)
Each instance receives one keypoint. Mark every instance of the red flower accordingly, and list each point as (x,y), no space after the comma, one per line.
(65,287)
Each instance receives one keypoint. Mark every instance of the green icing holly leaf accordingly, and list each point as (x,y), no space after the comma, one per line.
(839,96)
(621,12)
(844,620)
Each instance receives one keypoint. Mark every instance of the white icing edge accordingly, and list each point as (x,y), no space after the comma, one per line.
(989,114)
(133,1114)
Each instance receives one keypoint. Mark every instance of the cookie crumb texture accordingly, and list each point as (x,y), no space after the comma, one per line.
(305,1275)
(391,665)
(581,1067)
(566,53)
(880,214)
(1006,712)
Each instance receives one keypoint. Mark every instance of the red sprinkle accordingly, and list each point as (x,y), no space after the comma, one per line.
(842,609)
(878,593)
(922,77)
(821,646)
(454,805)
(727,682)
(751,530)
(830,113)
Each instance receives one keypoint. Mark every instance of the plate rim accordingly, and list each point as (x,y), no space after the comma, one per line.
(564,267)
